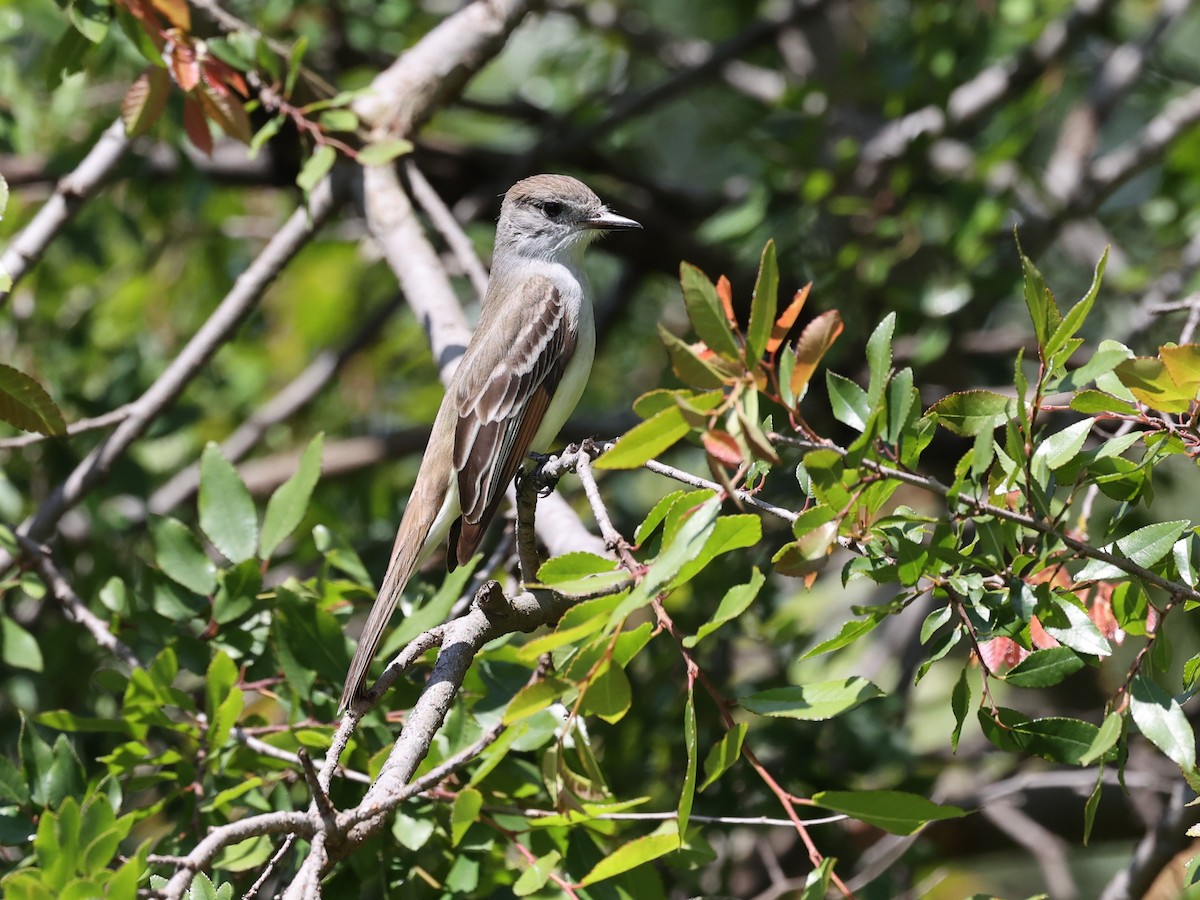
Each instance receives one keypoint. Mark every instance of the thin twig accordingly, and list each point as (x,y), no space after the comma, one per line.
(78,427)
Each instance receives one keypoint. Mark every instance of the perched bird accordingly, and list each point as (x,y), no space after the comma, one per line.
(517,383)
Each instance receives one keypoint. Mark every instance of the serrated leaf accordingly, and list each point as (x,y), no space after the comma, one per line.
(1091,402)
(879,358)
(849,402)
(763,305)
(227,514)
(1040,303)
(722,447)
(969,413)
(897,812)
(145,100)
(1060,448)
(1147,378)
(1074,319)
(704,311)
(1071,626)
(25,404)
(226,110)
(816,701)
(1043,668)
(195,125)
(289,502)
(1151,544)
(1160,718)
(1055,738)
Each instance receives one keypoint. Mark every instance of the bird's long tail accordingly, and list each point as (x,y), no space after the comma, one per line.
(425,515)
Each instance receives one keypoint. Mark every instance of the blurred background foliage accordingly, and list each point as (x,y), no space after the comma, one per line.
(717,125)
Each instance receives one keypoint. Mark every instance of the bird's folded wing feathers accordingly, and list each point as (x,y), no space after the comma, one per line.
(500,412)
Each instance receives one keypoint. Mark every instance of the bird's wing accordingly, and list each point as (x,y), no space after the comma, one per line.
(502,407)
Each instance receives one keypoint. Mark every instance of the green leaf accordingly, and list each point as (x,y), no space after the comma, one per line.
(19,648)
(535,877)
(724,754)
(1183,365)
(1091,402)
(816,701)
(735,602)
(849,633)
(704,310)
(677,552)
(580,573)
(316,167)
(968,413)
(879,358)
(646,440)
(762,311)
(1160,718)
(289,502)
(1043,668)
(1072,626)
(687,363)
(1059,449)
(1057,739)
(849,402)
(897,812)
(1074,319)
(688,795)
(13,788)
(384,152)
(25,404)
(534,697)
(635,853)
(1040,303)
(1151,544)
(1106,738)
(227,514)
(608,695)
(180,557)
(960,699)
(464,813)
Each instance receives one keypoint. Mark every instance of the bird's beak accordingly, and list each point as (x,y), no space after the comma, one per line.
(607,220)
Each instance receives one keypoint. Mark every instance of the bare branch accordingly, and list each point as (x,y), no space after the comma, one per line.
(78,427)
(215,332)
(72,192)
(448,226)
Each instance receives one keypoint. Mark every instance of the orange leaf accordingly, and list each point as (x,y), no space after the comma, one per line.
(785,322)
(816,339)
(181,60)
(176,11)
(723,447)
(196,126)
(725,292)
(222,77)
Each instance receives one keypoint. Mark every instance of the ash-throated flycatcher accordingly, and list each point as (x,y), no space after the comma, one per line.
(519,379)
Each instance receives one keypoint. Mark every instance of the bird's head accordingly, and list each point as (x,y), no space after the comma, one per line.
(553,217)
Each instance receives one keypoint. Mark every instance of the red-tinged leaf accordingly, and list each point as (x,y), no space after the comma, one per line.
(182,62)
(145,101)
(176,12)
(785,322)
(723,447)
(196,126)
(725,293)
(227,111)
(816,339)
(704,310)
(222,77)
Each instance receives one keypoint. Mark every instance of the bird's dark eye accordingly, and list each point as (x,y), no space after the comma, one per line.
(552,208)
